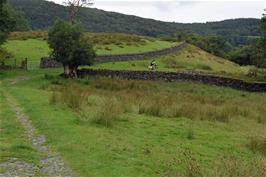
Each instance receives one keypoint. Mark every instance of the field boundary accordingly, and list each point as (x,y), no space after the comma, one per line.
(49,63)
(177,76)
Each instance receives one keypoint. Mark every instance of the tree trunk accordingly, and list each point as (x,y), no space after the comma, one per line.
(66,70)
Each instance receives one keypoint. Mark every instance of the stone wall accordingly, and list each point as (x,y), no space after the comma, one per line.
(49,63)
(172,76)
(139,56)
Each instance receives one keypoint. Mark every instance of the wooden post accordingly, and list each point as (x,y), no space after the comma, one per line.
(26,63)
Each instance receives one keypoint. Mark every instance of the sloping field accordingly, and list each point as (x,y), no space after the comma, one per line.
(34,45)
(189,58)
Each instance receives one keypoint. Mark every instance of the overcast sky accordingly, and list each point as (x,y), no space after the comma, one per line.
(184,11)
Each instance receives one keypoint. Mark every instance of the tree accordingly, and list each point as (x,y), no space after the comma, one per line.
(74,6)
(261,43)
(263,30)
(21,24)
(70,47)
(6,22)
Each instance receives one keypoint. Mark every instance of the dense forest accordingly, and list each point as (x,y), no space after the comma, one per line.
(41,14)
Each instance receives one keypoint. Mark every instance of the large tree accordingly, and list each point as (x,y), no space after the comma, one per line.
(70,47)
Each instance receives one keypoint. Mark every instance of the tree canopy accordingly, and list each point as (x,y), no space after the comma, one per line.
(6,22)
(69,46)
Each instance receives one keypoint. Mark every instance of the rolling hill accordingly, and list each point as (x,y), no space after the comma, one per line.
(41,14)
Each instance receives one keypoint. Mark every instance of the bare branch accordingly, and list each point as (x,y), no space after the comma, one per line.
(75,5)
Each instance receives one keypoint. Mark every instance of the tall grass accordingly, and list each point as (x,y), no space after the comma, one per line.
(71,95)
(187,165)
(147,98)
(258,144)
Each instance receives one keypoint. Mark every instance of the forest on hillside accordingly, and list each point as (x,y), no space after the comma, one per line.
(94,20)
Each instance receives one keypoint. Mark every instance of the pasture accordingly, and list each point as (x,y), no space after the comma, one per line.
(112,127)
(33,45)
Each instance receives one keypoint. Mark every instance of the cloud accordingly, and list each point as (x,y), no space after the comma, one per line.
(184,11)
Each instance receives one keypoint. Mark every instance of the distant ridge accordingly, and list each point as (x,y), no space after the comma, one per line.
(41,14)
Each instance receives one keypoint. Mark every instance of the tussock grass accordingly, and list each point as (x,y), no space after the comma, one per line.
(147,98)
(232,166)
(228,166)
(258,144)
(71,95)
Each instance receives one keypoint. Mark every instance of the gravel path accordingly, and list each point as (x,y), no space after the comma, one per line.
(51,165)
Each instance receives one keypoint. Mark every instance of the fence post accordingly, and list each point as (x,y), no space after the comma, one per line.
(26,64)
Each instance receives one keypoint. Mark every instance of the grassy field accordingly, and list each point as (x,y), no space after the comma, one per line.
(35,49)
(33,45)
(110,127)
(190,58)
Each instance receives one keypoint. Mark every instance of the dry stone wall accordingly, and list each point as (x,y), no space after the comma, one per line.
(177,76)
(49,63)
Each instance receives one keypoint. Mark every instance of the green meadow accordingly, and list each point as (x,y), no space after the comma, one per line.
(34,46)
(112,127)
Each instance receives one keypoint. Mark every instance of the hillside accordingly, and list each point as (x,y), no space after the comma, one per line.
(33,45)
(41,15)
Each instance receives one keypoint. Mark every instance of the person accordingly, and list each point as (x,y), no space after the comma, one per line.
(153,65)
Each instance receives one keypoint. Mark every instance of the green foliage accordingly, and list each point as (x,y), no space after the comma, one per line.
(95,20)
(21,24)
(213,44)
(4,56)
(69,46)
(6,22)
(255,53)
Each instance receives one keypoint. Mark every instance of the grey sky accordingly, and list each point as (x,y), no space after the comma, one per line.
(184,11)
